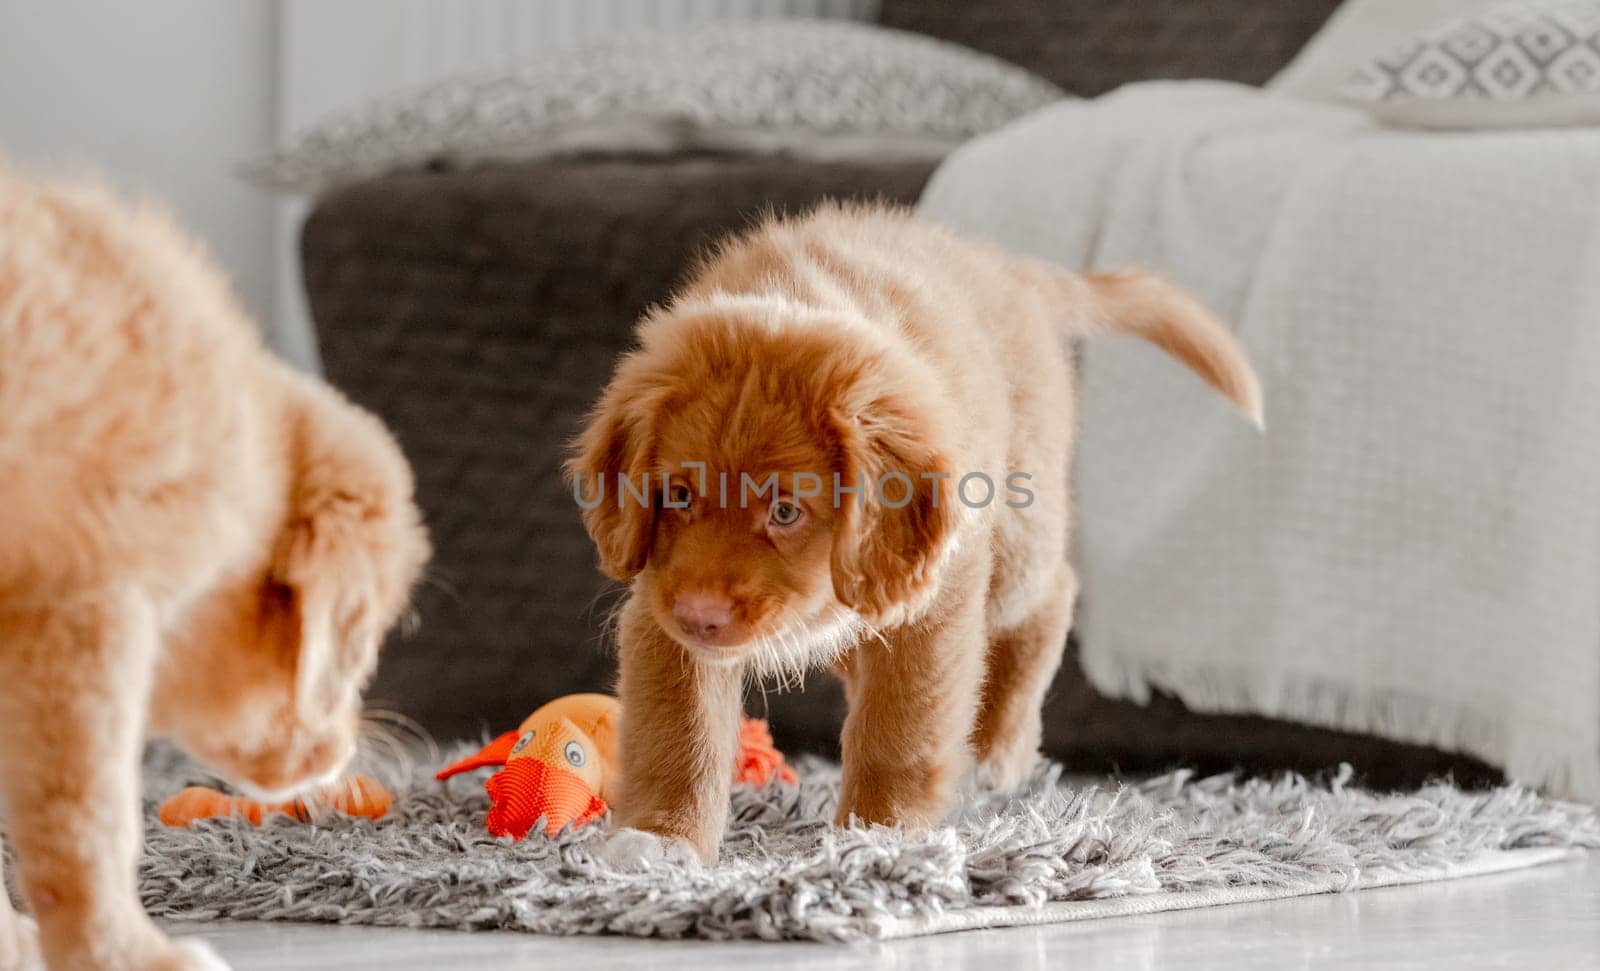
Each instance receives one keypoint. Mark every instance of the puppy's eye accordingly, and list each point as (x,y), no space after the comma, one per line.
(574,753)
(522,742)
(784,514)
(679,496)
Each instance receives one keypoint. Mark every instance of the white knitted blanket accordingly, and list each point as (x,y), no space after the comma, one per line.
(1413,547)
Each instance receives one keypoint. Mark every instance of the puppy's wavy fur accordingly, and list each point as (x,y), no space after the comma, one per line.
(197,542)
(855,341)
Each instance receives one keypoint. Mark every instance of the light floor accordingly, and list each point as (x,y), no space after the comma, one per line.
(1548,917)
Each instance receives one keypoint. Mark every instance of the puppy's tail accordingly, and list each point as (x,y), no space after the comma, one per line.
(1146,306)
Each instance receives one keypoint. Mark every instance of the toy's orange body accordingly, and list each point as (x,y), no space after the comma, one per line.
(529,790)
(356,795)
(561,765)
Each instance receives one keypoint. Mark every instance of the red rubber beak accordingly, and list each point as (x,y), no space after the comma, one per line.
(495,753)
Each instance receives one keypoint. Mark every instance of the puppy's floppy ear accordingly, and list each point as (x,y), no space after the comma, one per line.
(614,443)
(322,579)
(885,559)
(349,550)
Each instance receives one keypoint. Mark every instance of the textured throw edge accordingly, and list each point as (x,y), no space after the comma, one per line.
(1545,755)
(1051,852)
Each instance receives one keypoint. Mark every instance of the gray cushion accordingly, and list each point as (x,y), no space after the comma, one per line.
(1531,63)
(812,89)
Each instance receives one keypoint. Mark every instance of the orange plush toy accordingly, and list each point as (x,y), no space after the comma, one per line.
(356,795)
(561,765)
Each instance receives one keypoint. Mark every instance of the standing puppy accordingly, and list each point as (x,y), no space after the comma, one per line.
(847,441)
(195,541)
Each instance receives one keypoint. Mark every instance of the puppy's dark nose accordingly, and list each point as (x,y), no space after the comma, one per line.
(702,615)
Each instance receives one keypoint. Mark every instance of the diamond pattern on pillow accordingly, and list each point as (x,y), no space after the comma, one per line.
(1518,52)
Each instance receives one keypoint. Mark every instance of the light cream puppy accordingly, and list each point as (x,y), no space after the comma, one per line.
(194,541)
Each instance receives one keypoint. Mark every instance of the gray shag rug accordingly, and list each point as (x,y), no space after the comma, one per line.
(1052,851)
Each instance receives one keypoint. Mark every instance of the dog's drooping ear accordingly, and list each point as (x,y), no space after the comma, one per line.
(613,446)
(323,577)
(894,533)
(346,558)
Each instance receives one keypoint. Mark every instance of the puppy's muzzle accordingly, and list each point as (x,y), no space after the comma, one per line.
(707,619)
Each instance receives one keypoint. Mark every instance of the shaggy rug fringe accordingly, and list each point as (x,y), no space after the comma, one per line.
(786,874)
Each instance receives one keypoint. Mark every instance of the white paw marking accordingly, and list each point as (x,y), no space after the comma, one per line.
(632,850)
(1004,771)
(25,939)
(194,954)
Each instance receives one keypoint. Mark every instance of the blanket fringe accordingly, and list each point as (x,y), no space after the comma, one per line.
(1565,766)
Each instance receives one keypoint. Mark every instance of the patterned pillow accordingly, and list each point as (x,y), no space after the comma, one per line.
(809,88)
(1532,63)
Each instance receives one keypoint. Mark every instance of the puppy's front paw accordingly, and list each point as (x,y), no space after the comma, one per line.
(632,850)
(143,949)
(192,954)
(189,954)
(1005,768)
(19,943)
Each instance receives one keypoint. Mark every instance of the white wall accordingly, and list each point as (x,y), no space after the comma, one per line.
(339,53)
(167,97)
(163,97)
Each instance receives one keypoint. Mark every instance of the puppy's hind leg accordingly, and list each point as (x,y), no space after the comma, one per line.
(1021,662)
(77,678)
